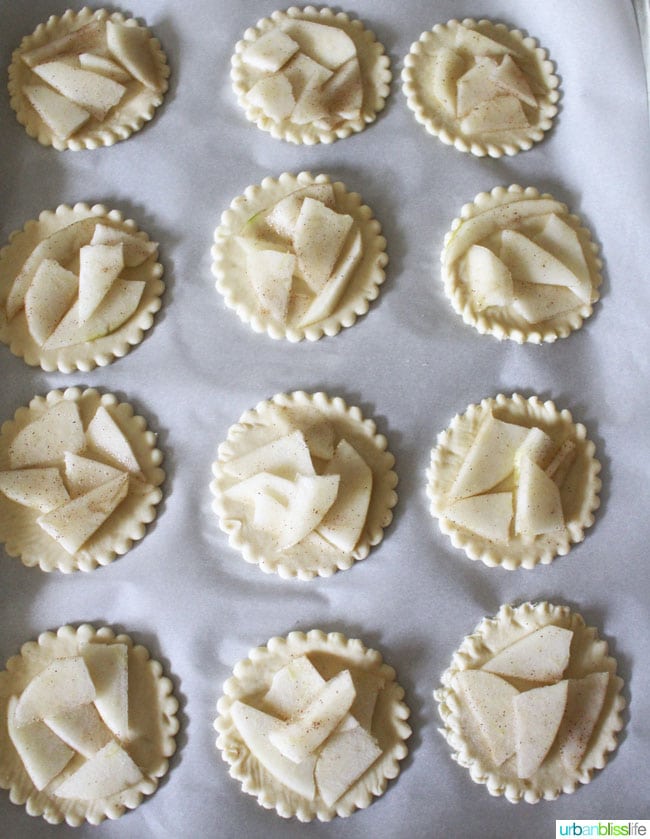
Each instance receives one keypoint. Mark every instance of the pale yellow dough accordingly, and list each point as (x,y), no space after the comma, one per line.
(133,94)
(152,726)
(19,531)
(578,490)
(506,111)
(310,59)
(314,555)
(588,655)
(330,654)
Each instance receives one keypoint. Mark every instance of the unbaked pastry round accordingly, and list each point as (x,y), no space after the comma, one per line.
(310,75)
(562,453)
(53,67)
(80,441)
(481,87)
(263,220)
(581,745)
(378,710)
(500,257)
(152,726)
(54,242)
(313,428)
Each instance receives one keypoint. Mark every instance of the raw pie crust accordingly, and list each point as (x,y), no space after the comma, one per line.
(24,538)
(152,722)
(77,224)
(462,732)
(330,654)
(439,55)
(313,555)
(229,265)
(136,106)
(578,492)
(374,73)
(523,211)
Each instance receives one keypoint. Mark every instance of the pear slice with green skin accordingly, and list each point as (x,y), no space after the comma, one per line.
(345,520)
(271,275)
(40,489)
(530,263)
(81,728)
(83,473)
(135,249)
(475,87)
(488,279)
(104,66)
(48,298)
(538,502)
(328,45)
(72,524)
(99,267)
(489,516)
(270,51)
(343,760)
(538,714)
(504,113)
(44,440)
(477,43)
(43,754)
(318,241)
(130,46)
(306,731)
(560,239)
(63,117)
(108,667)
(94,93)
(107,438)
(286,457)
(311,498)
(64,684)
(110,771)
(255,728)
(489,459)
(510,78)
(585,700)
(541,656)
(490,699)
(326,301)
(89,38)
(448,67)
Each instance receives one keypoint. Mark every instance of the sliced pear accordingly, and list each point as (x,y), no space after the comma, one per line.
(489,459)
(318,241)
(45,439)
(488,279)
(283,216)
(559,467)
(308,729)
(489,699)
(510,78)
(343,760)
(96,94)
(48,298)
(88,38)
(326,300)
(343,93)
(110,771)
(273,96)
(475,87)
(63,117)
(270,51)
(108,667)
(343,523)
(42,753)
(40,489)
(539,504)
(537,446)
(135,249)
(293,687)
(311,498)
(271,275)
(83,473)
(131,46)
(538,714)
(106,436)
(261,485)
(302,71)
(80,728)
(477,43)
(311,106)
(537,303)
(368,685)
(104,66)
(255,728)
(489,516)
(75,522)
(64,684)
(328,45)
(286,457)
(448,67)
(530,263)
(504,113)
(560,239)
(541,656)
(585,700)
(99,267)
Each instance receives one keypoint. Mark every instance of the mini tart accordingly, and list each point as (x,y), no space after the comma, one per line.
(562,455)
(330,654)
(55,241)
(469,735)
(250,225)
(152,725)
(317,425)
(500,257)
(342,66)
(103,445)
(481,87)
(56,108)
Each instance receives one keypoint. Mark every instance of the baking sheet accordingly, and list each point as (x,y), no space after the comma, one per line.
(410,363)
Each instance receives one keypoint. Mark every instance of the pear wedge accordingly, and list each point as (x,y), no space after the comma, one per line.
(81,728)
(48,298)
(135,249)
(64,684)
(489,699)
(43,754)
(130,45)
(343,760)
(286,457)
(108,667)
(94,93)
(83,473)
(110,771)
(345,520)
(585,700)
(319,238)
(61,116)
(40,489)
(541,656)
(270,51)
(45,439)
(106,437)
(538,714)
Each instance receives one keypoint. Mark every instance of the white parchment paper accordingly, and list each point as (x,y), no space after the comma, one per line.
(410,363)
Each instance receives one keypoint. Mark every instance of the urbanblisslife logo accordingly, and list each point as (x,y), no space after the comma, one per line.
(601,827)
